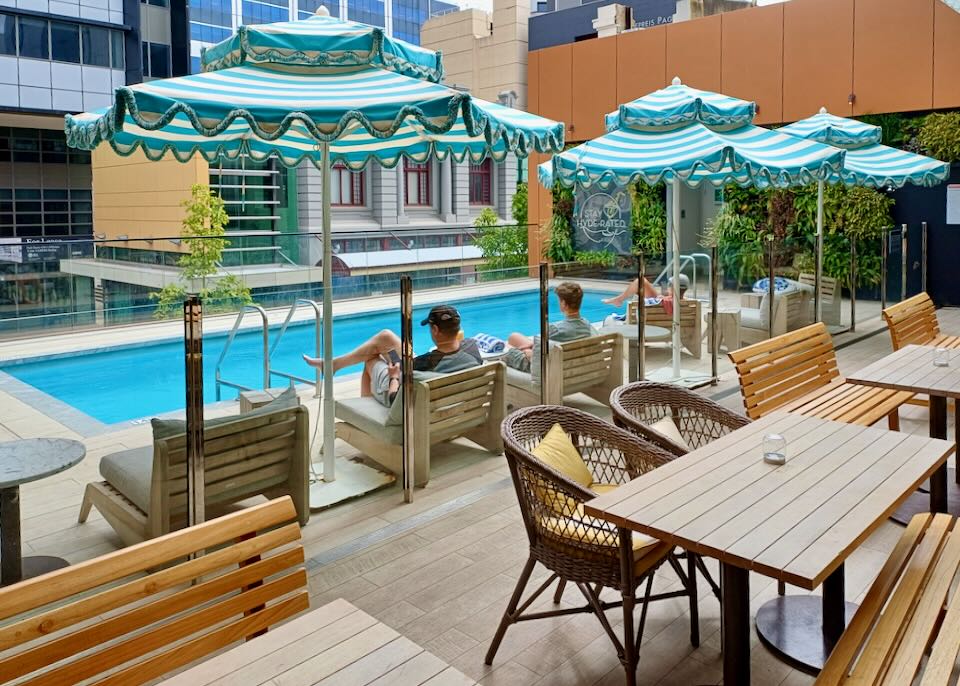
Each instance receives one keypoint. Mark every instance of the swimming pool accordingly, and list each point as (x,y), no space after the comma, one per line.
(116,385)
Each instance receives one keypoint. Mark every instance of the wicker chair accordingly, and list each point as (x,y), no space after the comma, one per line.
(700,420)
(575,547)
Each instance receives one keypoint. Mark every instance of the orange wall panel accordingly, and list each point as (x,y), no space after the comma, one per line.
(641,63)
(946,57)
(752,64)
(594,87)
(693,52)
(892,44)
(557,76)
(817,57)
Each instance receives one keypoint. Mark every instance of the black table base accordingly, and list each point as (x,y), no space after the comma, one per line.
(13,568)
(920,502)
(791,626)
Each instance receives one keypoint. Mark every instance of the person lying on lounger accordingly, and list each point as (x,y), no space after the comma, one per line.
(649,292)
(573,326)
(380,355)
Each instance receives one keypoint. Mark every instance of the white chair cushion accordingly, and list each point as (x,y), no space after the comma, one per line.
(130,471)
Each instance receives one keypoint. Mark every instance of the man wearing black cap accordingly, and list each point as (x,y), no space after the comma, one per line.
(380,355)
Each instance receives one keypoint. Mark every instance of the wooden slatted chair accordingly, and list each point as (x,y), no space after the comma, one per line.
(108,621)
(691,323)
(914,321)
(592,365)
(469,403)
(797,372)
(907,628)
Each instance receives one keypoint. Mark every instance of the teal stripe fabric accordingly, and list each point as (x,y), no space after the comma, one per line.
(746,155)
(369,111)
(322,41)
(867,162)
(679,104)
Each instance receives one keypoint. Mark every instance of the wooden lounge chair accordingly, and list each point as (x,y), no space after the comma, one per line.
(468,404)
(798,372)
(906,627)
(592,365)
(109,621)
(830,297)
(262,453)
(790,312)
(691,323)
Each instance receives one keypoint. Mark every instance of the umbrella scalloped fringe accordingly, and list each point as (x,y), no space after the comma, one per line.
(742,175)
(86,135)
(377,56)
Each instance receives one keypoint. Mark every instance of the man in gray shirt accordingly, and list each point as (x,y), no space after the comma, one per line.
(522,349)
(380,355)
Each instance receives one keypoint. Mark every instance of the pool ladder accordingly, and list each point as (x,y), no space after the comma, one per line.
(269,350)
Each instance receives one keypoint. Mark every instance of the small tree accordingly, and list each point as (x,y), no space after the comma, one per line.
(503,247)
(203,231)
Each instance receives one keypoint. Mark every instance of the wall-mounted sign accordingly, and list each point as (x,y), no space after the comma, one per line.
(953,203)
(601,221)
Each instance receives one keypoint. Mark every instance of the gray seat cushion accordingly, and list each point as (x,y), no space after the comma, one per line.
(750,319)
(521,380)
(129,472)
(370,417)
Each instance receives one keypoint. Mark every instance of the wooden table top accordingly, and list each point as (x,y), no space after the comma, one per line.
(336,643)
(911,369)
(797,522)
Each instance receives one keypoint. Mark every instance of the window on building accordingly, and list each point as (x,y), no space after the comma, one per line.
(416,181)
(96,46)
(480,182)
(34,38)
(156,60)
(116,50)
(346,187)
(65,42)
(8,34)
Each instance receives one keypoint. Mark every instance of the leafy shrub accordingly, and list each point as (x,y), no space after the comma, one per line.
(939,136)
(518,208)
(649,218)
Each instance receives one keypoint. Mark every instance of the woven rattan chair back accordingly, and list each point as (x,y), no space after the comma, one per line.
(564,539)
(700,420)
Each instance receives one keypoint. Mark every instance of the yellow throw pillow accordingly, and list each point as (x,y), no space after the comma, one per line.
(667,428)
(557,450)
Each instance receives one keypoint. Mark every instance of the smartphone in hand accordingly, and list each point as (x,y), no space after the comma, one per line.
(391,357)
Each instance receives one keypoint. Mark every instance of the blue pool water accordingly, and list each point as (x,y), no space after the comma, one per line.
(116,385)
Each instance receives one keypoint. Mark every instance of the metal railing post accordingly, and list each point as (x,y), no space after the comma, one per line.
(641,320)
(853,283)
(714,300)
(923,256)
(884,266)
(193,359)
(544,329)
(903,262)
(406,361)
(771,289)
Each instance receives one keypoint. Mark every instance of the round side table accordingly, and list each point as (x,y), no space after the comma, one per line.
(21,462)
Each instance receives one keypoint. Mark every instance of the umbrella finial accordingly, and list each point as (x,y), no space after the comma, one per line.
(322,11)
(823,110)
(676,81)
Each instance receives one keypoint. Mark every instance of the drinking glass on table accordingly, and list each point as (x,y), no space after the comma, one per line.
(941,357)
(774,449)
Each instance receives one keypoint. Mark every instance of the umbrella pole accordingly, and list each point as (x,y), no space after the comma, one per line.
(675,285)
(329,455)
(818,268)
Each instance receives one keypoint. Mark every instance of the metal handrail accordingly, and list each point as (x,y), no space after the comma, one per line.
(318,322)
(226,346)
(690,260)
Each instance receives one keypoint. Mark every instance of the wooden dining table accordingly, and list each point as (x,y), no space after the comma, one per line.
(797,522)
(911,369)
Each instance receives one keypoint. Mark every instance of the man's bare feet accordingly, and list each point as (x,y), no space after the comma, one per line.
(616,302)
(314,362)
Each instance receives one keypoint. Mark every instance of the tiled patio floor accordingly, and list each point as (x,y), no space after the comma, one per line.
(440,570)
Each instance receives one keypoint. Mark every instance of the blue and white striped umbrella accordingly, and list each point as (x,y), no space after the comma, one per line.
(868,162)
(694,136)
(323,90)
(283,89)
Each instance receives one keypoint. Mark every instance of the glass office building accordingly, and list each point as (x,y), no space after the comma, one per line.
(212,21)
